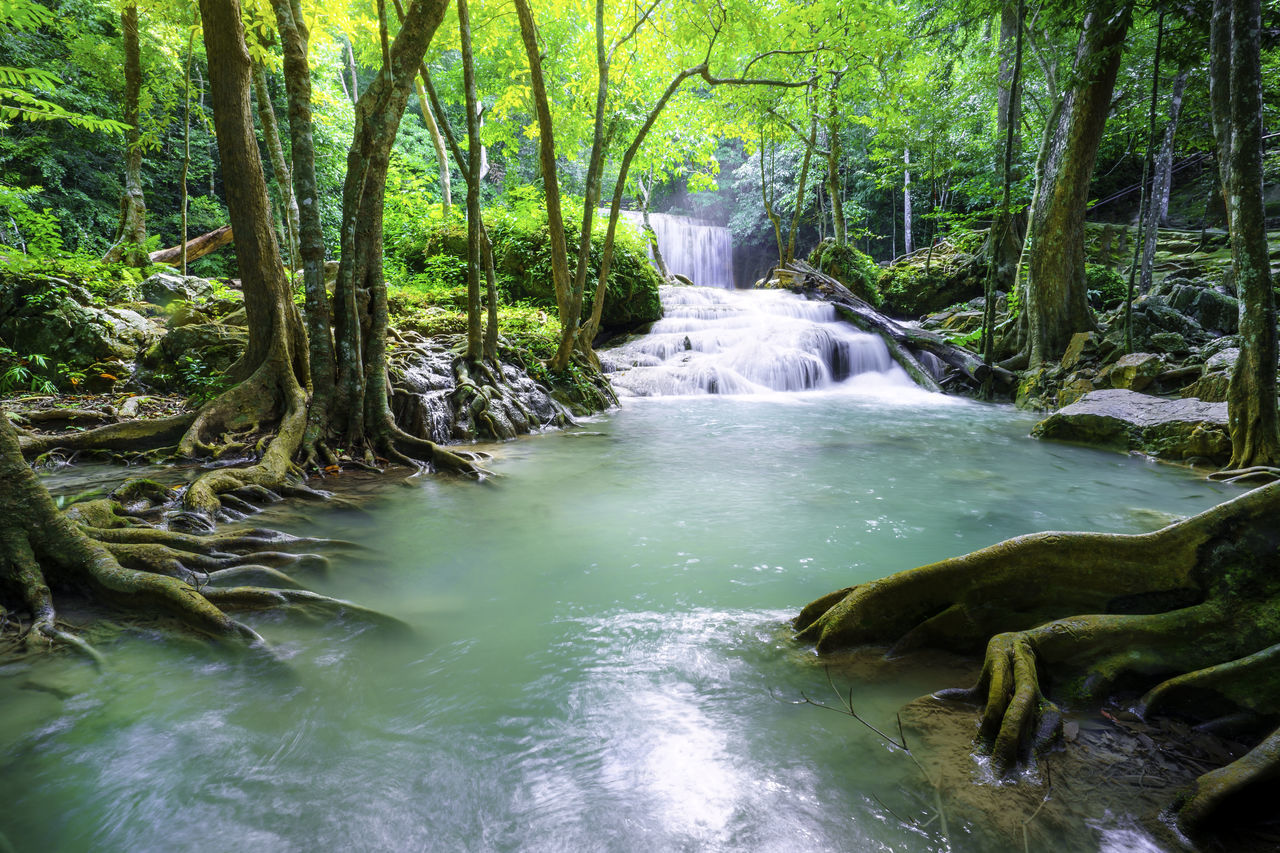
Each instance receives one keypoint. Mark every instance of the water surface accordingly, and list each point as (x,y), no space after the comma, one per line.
(600,654)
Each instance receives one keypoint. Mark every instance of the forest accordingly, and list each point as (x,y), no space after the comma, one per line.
(425,422)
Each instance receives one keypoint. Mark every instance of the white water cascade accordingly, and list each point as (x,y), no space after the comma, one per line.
(700,252)
(716,341)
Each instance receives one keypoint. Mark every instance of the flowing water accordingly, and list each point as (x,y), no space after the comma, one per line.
(698,250)
(599,658)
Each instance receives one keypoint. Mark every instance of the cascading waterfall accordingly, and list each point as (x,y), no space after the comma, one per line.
(697,250)
(716,341)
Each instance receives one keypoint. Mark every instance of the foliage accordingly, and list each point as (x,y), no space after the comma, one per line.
(1106,287)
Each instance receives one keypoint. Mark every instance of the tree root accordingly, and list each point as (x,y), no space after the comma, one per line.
(1212,794)
(1187,613)
(1259,474)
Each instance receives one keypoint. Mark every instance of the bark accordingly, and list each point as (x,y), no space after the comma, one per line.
(297,79)
(1004,243)
(1163,181)
(186,149)
(835,186)
(1057,305)
(546,158)
(130,241)
(1003,246)
(646,190)
(361,412)
(474,342)
(284,177)
(1251,396)
(908,245)
(800,188)
(196,247)
(437,142)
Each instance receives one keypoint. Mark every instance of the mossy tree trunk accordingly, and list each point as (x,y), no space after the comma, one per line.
(130,241)
(1186,616)
(361,416)
(284,177)
(1251,396)
(1057,305)
(294,39)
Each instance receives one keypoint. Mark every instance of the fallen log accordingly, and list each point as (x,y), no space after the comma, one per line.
(905,343)
(197,247)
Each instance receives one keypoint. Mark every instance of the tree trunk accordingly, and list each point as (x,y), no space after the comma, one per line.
(1057,305)
(1004,243)
(547,163)
(650,236)
(1251,396)
(284,178)
(437,142)
(130,241)
(186,147)
(800,188)
(474,332)
(297,79)
(908,245)
(835,186)
(1163,184)
(275,326)
(194,248)
(362,408)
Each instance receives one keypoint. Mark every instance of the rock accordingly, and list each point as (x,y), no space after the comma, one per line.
(238,318)
(166,287)
(185,314)
(53,318)
(1214,311)
(682,279)
(1136,370)
(1072,390)
(1169,342)
(1081,344)
(212,346)
(1126,420)
(1224,359)
(1210,387)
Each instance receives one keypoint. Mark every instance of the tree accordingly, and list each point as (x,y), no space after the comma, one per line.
(1056,304)
(131,233)
(1236,83)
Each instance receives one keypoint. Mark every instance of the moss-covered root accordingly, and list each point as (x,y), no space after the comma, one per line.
(1017,720)
(1213,793)
(1029,580)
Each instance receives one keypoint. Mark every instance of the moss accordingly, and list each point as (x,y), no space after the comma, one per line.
(854,269)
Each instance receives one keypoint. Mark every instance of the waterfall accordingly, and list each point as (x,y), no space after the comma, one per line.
(716,341)
(700,252)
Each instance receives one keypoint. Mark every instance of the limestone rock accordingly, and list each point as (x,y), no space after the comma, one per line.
(1214,311)
(1136,370)
(1072,390)
(1081,344)
(207,347)
(1125,420)
(165,287)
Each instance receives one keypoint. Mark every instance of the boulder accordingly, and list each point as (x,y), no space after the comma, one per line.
(1168,342)
(165,287)
(1136,370)
(202,349)
(1126,420)
(1214,311)
(54,318)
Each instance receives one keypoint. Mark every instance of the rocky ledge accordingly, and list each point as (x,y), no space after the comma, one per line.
(1185,430)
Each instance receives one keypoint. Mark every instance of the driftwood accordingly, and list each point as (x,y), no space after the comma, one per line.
(197,247)
(906,344)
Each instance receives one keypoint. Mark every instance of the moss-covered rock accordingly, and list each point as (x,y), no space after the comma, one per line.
(924,283)
(1126,420)
(852,268)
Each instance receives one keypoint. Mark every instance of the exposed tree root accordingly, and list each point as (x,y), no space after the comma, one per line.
(126,436)
(1190,614)
(100,547)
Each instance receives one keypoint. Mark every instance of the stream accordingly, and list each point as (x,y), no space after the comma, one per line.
(600,657)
